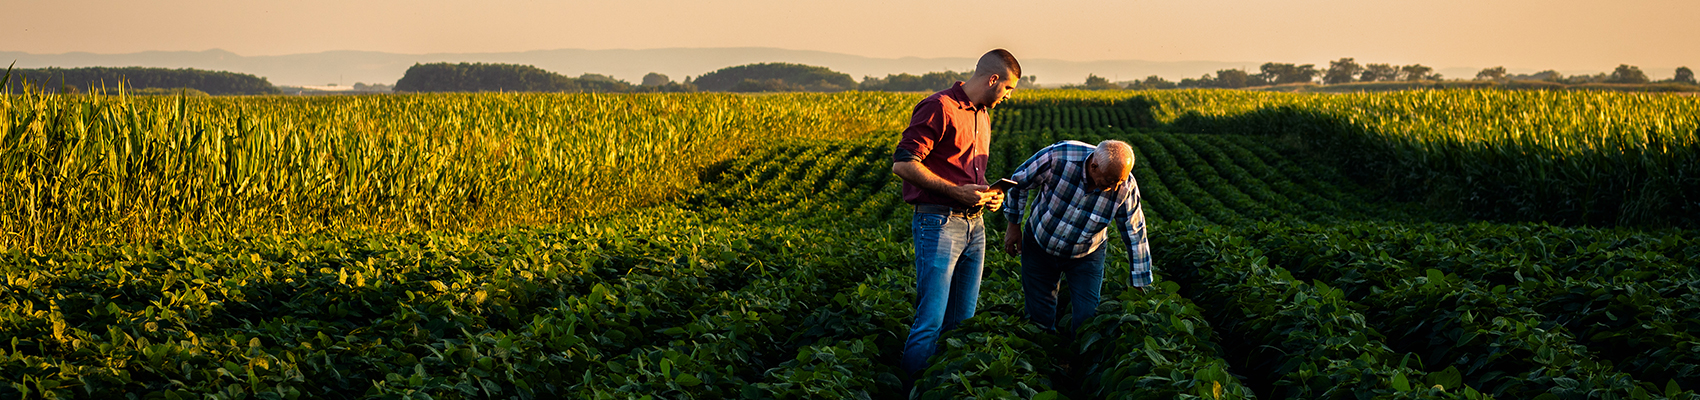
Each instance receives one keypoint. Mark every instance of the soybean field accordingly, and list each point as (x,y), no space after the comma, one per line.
(1426,244)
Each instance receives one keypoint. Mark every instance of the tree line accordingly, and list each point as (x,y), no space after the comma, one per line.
(1347,70)
(749,78)
(481,77)
(143,80)
(490,77)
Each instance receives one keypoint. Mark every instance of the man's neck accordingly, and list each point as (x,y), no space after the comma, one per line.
(975,91)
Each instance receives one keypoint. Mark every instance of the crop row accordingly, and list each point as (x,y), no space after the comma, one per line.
(1220,178)
(1291,338)
(1620,293)
(1513,339)
(1573,158)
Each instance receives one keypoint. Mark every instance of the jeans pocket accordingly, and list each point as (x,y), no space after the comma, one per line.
(929,221)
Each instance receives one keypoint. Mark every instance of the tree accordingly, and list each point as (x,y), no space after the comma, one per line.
(1684,75)
(480,77)
(1379,72)
(1416,72)
(92,79)
(656,79)
(1627,74)
(806,77)
(1231,79)
(1579,79)
(597,77)
(1491,74)
(766,85)
(931,82)
(1094,82)
(1279,73)
(1152,83)
(1343,71)
(1205,81)
(1548,75)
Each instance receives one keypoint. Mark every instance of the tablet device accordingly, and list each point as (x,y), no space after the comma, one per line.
(1003,185)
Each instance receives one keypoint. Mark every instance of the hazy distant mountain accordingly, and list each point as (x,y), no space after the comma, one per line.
(348,67)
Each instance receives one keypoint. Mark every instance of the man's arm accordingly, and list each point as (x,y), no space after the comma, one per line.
(926,126)
(1132,224)
(917,174)
(1037,168)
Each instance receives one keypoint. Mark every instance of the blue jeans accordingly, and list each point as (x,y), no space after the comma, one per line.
(1040,278)
(950,252)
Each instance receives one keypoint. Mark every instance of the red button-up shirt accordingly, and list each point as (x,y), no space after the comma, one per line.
(950,136)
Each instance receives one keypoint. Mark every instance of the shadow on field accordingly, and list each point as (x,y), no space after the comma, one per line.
(1653,186)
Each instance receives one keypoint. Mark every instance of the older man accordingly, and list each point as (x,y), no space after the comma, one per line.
(1082,189)
(942,160)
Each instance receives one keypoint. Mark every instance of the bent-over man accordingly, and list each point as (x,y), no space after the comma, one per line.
(1082,189)
(942,160)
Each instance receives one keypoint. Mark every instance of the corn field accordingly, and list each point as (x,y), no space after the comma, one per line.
(95,169)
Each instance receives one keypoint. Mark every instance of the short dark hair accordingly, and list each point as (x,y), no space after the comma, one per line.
(996,62)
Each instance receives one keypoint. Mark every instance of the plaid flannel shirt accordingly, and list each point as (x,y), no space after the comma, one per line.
(1069,220)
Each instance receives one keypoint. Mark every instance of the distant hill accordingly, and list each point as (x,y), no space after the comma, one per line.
(83,80)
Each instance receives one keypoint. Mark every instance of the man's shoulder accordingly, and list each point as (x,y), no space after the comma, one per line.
(1072,150)
(942,97)
(952,98)
(934,103)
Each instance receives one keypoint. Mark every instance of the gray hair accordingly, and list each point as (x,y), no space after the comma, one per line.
(1115,154)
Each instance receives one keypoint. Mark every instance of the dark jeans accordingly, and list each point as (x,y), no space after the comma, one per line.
(950,252)
(1041,275)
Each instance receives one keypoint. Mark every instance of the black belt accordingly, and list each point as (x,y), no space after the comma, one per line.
(971,212)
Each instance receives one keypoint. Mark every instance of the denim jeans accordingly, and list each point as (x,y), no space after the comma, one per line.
(950,252)
(1040,277)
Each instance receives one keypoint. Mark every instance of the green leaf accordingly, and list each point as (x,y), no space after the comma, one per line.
(1400,383)
(667,367)
(1047,395)
(5,83)
(687,380)
(1447,378)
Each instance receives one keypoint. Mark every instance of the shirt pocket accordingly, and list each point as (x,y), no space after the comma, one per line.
(1092,227)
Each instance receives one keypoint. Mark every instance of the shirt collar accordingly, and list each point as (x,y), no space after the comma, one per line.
(961,97)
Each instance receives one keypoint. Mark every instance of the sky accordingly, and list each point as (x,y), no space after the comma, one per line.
(1518,34)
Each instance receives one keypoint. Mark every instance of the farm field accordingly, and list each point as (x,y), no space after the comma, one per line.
(1297,255)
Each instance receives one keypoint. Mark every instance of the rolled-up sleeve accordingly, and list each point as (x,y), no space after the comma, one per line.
(1132,224)
(926,127)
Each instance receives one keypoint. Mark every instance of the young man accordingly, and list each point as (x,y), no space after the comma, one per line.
(1082,189)
(942,161)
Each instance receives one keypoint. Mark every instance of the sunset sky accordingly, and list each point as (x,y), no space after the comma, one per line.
(1537,34)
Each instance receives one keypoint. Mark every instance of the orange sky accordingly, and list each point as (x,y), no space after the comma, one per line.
(1538,34)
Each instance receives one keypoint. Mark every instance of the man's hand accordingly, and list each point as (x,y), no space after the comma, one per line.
(1012,239)
(971,194)
(995,202)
